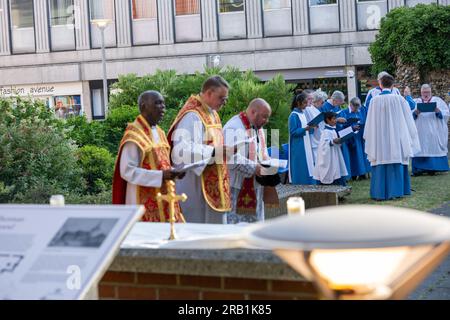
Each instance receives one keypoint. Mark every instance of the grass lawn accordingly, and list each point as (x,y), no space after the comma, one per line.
(430,192)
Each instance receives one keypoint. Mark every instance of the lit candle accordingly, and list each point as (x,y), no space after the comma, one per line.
(57,200)
(296,205)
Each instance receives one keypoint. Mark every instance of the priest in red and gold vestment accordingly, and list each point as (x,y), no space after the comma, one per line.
(143,163)
(197,138)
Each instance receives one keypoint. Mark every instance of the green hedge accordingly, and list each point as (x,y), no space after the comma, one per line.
(418,36)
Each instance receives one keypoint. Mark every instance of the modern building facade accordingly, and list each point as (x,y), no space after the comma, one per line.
(50,49)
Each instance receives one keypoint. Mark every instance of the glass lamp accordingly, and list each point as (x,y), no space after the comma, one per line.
(101,23)
(358,252)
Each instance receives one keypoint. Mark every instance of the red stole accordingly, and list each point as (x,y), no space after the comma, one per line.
(246,202)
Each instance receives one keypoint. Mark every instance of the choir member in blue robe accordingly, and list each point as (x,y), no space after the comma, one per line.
(391,140)
(355,145)
(301,164)
(433,135)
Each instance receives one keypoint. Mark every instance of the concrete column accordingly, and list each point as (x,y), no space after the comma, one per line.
(209,20)
(300,16)
(41,26)
(254,18)
(86,100)
(123,23)
(4,26)
(82,24)
(351,82)
(165,20)
(395,4)
(347,11)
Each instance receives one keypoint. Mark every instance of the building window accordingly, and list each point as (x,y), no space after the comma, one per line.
(188,23)
(22,26)
(187,7)
(22,14)
(62,25)
(321,2)
(102,10)
(67,106)
(231,6)
(323,16)
(98,110)
(144,15)
(277,18)
(276,4)
(144,9)
(61,12)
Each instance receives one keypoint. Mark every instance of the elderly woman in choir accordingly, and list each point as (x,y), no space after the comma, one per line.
(317,99)
(433,135)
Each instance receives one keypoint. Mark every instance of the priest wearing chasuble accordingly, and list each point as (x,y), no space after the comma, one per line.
(247,194)
(197,139)
(143,167)
(391,140)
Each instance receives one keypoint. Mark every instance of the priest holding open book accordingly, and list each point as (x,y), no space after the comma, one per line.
(246,192)
(431,116)
(391,140)
(198,149)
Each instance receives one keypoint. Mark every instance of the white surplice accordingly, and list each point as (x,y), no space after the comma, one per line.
(433,131)
(188,147)
(390,133)
(330,164)
(311,112)
(130,171)
(241,167)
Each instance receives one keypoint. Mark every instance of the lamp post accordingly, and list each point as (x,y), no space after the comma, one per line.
(358,252)
(102,24)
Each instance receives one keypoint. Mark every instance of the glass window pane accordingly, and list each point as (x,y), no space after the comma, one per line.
(276,4)
(144,9)
(22,13)
(61,12)
(231,5)
(97,103)
(103,9)
(185,7)
(321,2)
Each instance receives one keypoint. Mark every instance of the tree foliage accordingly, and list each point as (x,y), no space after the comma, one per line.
(419,36)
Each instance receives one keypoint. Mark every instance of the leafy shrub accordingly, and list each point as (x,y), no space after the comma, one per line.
(97,165)
(85,133)
(36,162)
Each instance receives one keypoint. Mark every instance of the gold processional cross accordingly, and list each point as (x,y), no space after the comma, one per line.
(171,197)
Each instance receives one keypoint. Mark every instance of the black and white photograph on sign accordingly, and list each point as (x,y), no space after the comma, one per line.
(9,262)
(83,232)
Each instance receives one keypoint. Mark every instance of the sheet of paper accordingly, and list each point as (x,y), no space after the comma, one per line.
(277,163)
(345,132)
(190,166)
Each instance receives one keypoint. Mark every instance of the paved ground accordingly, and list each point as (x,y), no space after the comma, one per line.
(437,285)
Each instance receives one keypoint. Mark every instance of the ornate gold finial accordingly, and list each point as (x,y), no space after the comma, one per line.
(171,197)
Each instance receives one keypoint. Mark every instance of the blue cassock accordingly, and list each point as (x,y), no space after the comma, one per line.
(358,158)
(298,167)
(389,181)
(328,107)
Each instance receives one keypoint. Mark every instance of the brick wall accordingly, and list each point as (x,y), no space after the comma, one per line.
(150,286)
